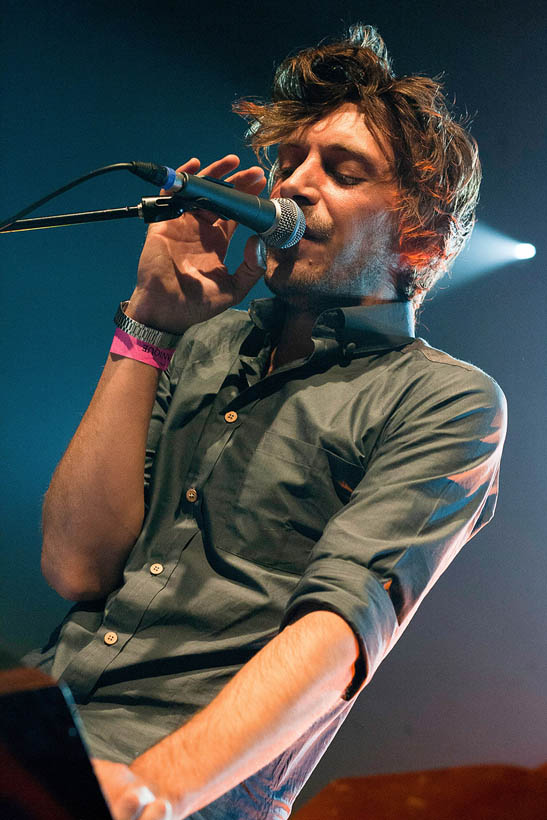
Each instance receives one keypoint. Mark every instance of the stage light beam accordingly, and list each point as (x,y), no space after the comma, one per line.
(487,251)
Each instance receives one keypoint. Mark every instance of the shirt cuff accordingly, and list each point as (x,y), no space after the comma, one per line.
(356,594)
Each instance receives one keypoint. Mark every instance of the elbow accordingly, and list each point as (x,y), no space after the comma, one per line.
(76,593)
(73,582)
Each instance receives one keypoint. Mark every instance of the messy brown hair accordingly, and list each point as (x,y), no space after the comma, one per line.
(437,166)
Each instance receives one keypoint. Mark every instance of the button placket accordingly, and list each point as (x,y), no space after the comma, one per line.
(219,427)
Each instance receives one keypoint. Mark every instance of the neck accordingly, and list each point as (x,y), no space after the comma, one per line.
(295,340)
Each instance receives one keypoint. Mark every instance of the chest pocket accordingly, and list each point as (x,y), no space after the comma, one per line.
(288,491)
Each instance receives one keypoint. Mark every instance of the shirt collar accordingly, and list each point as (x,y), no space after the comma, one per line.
(353,330)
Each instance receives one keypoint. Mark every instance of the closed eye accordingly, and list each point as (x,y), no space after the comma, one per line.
(344,179)
(283,173)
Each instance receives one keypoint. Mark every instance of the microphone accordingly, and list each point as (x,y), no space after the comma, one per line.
(279,222)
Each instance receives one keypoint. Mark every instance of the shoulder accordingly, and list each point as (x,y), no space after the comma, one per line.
(438,370)
(452,395)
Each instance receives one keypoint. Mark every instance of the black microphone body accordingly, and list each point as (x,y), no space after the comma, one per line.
(223,199)
(279,222)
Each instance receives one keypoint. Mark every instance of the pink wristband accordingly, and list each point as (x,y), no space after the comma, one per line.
(125,345)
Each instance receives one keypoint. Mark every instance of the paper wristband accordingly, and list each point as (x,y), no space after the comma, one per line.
(125,345)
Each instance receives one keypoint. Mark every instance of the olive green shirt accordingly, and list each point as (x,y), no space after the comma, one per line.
(345,481)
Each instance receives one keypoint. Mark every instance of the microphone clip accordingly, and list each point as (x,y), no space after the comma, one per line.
(161,208)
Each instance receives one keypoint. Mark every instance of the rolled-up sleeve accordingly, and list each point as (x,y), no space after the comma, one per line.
(430,485)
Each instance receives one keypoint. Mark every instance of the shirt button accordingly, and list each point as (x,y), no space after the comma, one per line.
(192,495)
(110,638)
(230,416)
(156,569)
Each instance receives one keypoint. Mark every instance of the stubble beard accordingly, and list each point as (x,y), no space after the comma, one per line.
(342,282)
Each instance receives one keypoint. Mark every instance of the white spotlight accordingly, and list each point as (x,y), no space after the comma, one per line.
(487,251)
(524,250)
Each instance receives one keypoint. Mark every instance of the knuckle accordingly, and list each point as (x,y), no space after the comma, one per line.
(129,804)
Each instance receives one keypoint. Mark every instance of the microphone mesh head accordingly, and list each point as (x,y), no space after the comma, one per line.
(290,225)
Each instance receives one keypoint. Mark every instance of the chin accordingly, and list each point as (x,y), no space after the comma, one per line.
(308,293)
(288,281)
(288,270)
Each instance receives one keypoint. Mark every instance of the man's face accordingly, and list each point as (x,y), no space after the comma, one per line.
(344,184)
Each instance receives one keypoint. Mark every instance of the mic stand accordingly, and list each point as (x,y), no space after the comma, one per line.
(150,209)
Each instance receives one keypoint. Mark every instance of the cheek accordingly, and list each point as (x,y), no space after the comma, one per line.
(370,235)
(356,228)
(379,225)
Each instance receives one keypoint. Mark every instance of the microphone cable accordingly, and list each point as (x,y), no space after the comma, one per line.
(106,169)
(158,175)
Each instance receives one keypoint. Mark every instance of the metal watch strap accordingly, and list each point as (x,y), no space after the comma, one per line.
(158,338)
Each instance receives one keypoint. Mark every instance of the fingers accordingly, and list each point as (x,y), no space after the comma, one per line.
(127,795)
(250,179)
(216,169)
(221,166)
(160,809)
(191,166)
(138,802)
(251,269)
(131,803)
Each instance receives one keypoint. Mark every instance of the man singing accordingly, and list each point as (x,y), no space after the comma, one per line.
(310,467)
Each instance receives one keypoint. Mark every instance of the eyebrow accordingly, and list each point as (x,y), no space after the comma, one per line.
(363,157)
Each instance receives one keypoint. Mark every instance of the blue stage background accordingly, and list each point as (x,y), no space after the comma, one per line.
(90,83)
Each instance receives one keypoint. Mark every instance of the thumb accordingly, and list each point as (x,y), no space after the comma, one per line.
(252,267)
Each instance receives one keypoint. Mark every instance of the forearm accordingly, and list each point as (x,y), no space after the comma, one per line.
(299,676)
(94,507)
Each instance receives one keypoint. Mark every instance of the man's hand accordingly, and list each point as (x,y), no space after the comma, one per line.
(128,796)
(182,279)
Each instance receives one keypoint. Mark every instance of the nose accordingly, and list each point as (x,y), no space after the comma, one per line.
(303,182)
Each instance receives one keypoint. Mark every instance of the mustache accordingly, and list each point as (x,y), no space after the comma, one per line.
(317,229)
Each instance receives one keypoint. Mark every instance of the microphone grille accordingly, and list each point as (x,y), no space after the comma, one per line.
(290,227)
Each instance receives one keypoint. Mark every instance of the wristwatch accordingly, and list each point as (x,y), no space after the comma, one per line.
(150,335)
